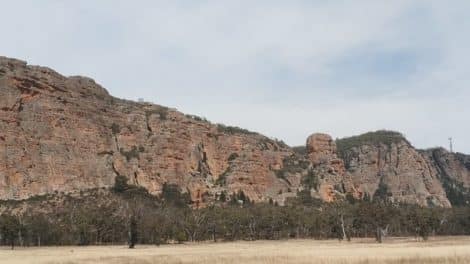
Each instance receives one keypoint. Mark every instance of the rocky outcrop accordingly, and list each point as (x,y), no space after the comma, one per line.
(65,134)
(385,164)
(321,152)
(453,170)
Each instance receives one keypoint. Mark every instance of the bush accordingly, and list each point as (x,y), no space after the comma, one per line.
(382,193)
(133,153)
(222,179)
(301,150)
(161,111)
(291,165)
(9,228)
(172,195)
(310,180)
(232,157)
(234,130)
(371,138)
(115,129)
(197,118)
(120,184)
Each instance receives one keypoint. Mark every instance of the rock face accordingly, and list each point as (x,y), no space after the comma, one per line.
(320,148)
(67,134)
(453,170)
(321,152)
(64,134)
(385,164)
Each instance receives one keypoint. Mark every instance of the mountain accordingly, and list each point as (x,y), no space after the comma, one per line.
(67,135)
(453,171)
(385,164)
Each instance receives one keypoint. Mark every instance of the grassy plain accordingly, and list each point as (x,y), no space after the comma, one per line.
(392,251)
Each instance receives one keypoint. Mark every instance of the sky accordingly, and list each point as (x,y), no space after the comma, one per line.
(285,69)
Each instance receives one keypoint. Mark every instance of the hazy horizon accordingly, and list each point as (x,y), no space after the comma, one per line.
(285,70)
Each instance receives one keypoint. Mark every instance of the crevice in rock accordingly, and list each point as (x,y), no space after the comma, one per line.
(116,143)
(398,157)
(203,167)
(114,169)
(379,152)
(105,152)
(149,129)
(136,181)
(18,106)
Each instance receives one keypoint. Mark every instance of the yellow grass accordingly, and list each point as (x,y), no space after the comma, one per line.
(406,250)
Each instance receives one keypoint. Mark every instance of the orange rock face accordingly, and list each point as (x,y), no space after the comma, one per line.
(60,134)
(402,170)
(321,151)
(320,148)
(67,134)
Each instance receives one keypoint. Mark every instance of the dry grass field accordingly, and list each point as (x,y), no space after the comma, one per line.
(397,250)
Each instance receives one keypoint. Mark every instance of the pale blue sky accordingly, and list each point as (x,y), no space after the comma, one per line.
(282,68)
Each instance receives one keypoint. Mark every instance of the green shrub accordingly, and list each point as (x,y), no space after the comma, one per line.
(172,195)
(457,194)
(232,156)
(197,118)
(133,153)
(382,193)
(281,143)
(310,180)
(115,129)
(161,111)
(223,177)
(234,130)
(223,196)
(301,150)
(464,159)
(180,236)
(291,165)
(239,196)
(120,184)
(371,138)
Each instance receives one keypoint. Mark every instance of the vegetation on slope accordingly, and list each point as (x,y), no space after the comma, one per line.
(292,165)
(301,150)
(126,214)
(376,138)
(234,130)
(457,194)
(464,159)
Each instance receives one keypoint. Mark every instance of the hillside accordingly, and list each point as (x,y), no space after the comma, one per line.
(64,134)
(67,134)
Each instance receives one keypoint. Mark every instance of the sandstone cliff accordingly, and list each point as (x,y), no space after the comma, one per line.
(67,134)
(64,134)
(322,153)
(453,170)
(384,163)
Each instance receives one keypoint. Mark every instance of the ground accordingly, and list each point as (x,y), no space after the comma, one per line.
(396,250)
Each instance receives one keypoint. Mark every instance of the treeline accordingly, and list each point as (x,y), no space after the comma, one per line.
(134,217)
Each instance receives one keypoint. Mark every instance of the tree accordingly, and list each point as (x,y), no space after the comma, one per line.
(10,227)
(120,184)
(172,196)
(39,228)
(132,231)
(382,193)
(378,215)
(194,224)
(425,222)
